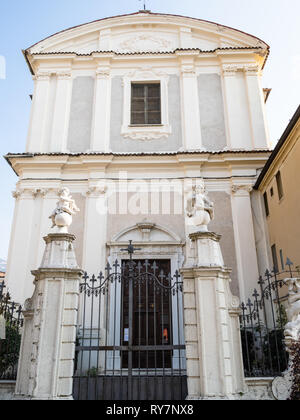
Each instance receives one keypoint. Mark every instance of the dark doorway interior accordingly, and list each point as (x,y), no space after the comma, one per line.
(152,317)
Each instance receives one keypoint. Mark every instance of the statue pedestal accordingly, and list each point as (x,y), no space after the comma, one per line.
(212,333)
(207,251)
(47,352)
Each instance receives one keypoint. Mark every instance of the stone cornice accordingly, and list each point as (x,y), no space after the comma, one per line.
(205,235)
(53,165)
(205,271)
(58,274)
(59,237)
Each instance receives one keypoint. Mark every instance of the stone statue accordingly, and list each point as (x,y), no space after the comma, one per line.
(292,328)
(199,208)
(62,215)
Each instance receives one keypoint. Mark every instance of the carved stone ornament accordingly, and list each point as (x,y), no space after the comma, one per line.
(146,135)
(199,208)
(30,193)
(242,189)
(231,69)
(292,328)
(103,72)
(281,387)
(95,192)
(62,215)
(144,43)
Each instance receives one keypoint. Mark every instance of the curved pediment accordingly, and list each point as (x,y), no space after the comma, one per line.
(146,232)
(145,32)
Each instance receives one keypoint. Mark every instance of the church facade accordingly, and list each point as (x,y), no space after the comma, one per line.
(130,113)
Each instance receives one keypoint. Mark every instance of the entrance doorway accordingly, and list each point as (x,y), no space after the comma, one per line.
(130,344)
(152,317)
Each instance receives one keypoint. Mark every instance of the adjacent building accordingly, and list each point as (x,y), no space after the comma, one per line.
(278,185)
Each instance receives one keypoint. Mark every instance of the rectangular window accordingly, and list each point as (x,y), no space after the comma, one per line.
(281,259)
(266,204)
(274,257)
(279,185)
(145,104)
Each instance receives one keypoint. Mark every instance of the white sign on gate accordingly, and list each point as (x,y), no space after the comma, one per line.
(2,328)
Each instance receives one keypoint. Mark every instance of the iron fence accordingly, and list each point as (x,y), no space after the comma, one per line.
(130,343)
(263,319)
(11,323)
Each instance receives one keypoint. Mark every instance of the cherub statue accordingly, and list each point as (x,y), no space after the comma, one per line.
(62,215)
(199,208)
(292,328)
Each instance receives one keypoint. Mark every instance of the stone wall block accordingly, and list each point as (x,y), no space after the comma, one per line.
(68,334)
(69,317)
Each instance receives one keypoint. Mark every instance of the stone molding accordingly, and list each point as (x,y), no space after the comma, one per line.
(45,75)
(205,235)
(241,189)
(205,271)
(232,69)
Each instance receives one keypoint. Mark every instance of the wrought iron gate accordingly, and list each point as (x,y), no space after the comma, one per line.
(130,343)
(11,323)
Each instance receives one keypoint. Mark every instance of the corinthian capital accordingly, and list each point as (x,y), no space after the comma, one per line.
(241,189)
(45,75)
(96,191)
(103,72)
(64,75)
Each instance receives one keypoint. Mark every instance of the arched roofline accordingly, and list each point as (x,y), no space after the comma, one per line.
(150,14)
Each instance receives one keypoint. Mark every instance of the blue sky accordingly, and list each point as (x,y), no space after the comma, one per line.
(23,23)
